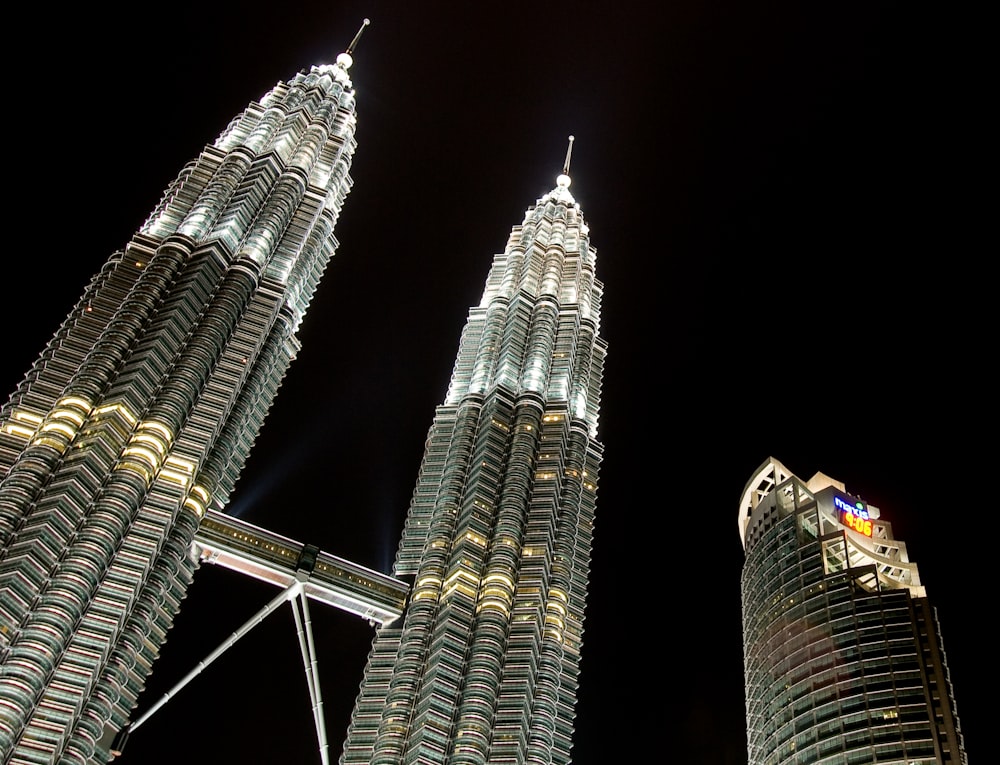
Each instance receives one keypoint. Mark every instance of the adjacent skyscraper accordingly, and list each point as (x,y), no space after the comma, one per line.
(140,413)
(843,658)
(483,667)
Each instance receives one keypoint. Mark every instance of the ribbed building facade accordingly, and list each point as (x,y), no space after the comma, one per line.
(139,414)
(843,658)
(484,665)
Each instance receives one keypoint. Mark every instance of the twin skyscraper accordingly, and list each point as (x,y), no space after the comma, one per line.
(134,423)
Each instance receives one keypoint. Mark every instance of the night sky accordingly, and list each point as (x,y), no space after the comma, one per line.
(777,194)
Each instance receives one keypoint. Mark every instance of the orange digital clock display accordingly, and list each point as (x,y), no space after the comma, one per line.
(856,522)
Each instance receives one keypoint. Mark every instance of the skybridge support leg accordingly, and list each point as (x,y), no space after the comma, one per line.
(294,591)
(303,625)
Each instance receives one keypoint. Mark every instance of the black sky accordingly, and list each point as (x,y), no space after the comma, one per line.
(777,196)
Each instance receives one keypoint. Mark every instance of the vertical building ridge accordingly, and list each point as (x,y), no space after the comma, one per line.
(484,665)
(141,411)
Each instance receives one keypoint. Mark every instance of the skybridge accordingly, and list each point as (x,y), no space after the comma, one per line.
(226,541)
(303,572)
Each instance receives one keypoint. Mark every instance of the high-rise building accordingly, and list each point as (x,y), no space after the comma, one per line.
(138,416)
(843,658)
(484,665)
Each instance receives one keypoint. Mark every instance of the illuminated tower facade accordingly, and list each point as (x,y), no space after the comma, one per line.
(843,659)
(139,415)
(484,665)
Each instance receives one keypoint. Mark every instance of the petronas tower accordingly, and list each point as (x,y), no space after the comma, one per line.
(137,417)
(484,665)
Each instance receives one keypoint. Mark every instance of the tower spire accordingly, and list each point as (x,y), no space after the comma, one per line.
(569,153)
(345,59)
(563,181)
(354,42)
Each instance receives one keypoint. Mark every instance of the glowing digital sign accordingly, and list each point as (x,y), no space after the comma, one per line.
(853,516)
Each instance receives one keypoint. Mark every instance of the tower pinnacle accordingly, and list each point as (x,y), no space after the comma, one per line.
(346,58)
(563,180)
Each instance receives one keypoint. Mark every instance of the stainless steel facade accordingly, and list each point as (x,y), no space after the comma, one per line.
(484,665)
(138,416)
(843,658)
